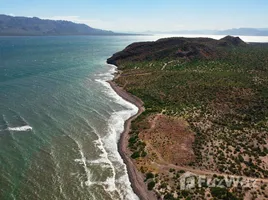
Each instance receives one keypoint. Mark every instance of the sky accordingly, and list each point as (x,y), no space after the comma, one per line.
(146,15)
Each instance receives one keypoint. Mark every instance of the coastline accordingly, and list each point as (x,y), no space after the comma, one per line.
(136,177)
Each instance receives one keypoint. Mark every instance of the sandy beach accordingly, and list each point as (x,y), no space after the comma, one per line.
(136,177)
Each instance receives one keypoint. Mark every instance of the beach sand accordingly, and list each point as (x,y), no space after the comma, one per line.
(136,177)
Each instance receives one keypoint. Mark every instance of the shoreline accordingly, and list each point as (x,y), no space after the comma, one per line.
(136,178)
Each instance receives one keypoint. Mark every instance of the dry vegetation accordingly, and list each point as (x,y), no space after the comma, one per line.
(205,114)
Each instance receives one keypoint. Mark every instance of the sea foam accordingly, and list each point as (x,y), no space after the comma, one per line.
(20,128)
(109,184)
(116,127)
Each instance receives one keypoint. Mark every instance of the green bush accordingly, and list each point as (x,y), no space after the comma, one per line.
(133,139)
(135,155)
(169,197)
(149,175)
(143,154)
(222,193)
(151,185)
(241,159)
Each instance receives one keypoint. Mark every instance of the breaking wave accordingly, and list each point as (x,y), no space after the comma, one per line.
(21,128)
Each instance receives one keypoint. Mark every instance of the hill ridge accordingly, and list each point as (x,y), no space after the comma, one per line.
(34,26)
(175,47)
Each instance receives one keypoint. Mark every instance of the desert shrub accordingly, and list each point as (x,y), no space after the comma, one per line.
(222,193)
(135,155)
(151,185)
(143,154)
(169,197)
(241,159)
(149,175)
(184,193)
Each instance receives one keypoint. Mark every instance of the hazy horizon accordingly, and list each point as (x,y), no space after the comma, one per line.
(140,16)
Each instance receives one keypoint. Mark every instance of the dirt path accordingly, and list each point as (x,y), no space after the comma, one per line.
(206,172)
(137,74)
(164,66)
(164,165)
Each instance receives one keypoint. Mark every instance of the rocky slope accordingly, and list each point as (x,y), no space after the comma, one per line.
(172,48)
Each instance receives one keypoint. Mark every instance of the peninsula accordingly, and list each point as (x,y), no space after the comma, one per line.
(205,114)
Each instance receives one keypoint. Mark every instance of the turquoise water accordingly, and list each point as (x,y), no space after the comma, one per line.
(59,120)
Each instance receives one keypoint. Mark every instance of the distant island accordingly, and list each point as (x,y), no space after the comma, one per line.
(25,26)
(202,115)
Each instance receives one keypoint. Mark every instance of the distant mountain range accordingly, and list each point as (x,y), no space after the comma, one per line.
(234,32)
(25,26)
(244,32)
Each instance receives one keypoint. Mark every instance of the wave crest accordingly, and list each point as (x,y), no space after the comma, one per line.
(20,128)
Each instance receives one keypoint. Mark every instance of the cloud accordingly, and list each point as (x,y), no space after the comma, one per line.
(67,18)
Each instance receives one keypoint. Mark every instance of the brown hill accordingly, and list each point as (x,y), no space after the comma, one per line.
(172,48)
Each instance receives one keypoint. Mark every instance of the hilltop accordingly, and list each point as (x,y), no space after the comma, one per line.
(25,26)
(173,48)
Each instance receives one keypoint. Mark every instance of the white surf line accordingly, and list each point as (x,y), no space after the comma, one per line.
(108,75)
(117,127)
(105,159)
(111,139)
(83,161)
(110,182)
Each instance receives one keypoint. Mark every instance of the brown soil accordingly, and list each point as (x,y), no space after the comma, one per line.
(170,139)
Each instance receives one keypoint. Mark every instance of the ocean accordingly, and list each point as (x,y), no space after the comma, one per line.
(60,121)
